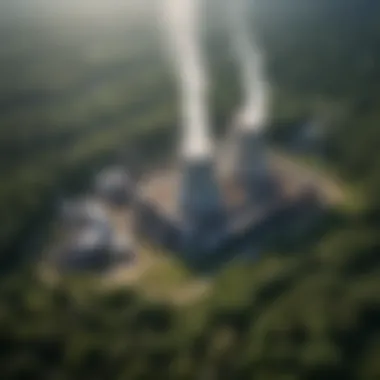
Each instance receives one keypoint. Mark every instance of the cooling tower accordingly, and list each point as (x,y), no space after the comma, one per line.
(252,167)
(202,212)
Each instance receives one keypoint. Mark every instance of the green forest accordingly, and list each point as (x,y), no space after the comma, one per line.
(74,100)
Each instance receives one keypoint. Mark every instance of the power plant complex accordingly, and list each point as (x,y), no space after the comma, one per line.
(204,210)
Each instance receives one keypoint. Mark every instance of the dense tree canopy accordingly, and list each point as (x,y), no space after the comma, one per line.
(309,313)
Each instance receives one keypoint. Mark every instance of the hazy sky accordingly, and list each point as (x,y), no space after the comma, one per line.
(95,10)
(84,8)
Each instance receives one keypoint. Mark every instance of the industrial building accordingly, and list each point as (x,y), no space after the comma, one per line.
(212,217)
(202,214)
(114,186)
(89,239)
(191,210)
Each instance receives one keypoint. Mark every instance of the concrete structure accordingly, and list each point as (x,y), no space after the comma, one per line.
(82,211)
(114,186)
(92,238)
(252,171)
(87,247)
(202,214)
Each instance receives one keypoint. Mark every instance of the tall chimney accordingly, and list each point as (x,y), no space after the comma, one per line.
(201,205)
(252,168)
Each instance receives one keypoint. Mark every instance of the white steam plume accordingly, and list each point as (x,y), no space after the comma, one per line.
(254,110)
(182,19)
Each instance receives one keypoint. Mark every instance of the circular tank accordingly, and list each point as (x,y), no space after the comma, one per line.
(115,186)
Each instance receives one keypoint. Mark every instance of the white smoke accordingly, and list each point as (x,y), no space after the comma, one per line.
(182,21)
(254,110)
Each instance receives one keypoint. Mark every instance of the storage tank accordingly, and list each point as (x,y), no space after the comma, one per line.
(115,186)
